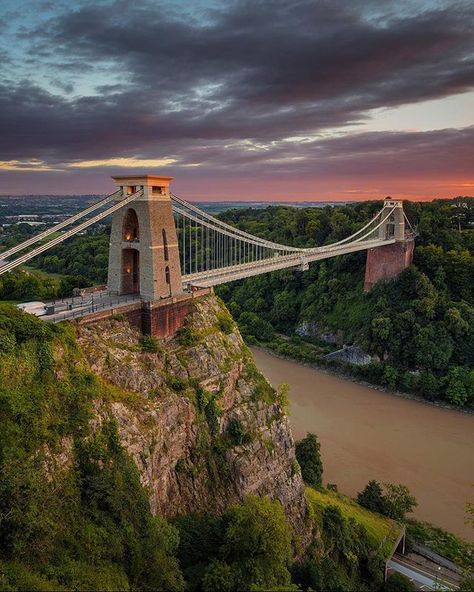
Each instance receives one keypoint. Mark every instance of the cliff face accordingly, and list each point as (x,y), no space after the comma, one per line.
(203,426)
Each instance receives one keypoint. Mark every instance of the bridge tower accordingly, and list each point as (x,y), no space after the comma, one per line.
(388,261)
(144,253)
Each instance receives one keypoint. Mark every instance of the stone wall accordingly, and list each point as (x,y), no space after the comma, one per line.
(161,318)
(387,262)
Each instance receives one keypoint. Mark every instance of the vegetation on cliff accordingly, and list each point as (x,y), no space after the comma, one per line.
(73,513)
(85,503)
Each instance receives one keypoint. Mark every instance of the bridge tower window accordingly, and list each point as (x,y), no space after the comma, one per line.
(165,245)
(157,190)
(167,275)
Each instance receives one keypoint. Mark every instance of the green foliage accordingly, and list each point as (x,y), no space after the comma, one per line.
(372,497)
(85,256)
(219,576)
(382,532)
(29,284)
(212,413)
(225,322)
(398,583)
(393,500)
(73,513)
(421,325)
(257,543)
(150,344)
(176,383)
(251,325)
(398,501)
(308,456)
(355,545)
(248,548)
(237,432)
(467,585)
(282,397)
(15,576)
(186,336)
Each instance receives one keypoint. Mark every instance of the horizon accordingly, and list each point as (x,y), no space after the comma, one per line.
(264,101)
(250,201)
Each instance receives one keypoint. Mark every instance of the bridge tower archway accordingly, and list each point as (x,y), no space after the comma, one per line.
(130,271)
(144,251)
(131,227)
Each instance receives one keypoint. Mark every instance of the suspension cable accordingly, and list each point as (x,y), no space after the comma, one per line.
(63,224)
(69,233)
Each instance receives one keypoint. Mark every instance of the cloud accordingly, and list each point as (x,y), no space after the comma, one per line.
(232,88)
(25,165)
(136,163)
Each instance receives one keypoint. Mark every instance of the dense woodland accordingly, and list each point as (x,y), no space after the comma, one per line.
(419,329)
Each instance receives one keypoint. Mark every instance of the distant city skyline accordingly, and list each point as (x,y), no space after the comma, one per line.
(240,100)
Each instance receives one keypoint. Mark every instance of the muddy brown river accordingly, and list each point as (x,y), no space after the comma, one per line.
(368,434)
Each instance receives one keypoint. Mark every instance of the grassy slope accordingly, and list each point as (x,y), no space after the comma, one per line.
(383,532)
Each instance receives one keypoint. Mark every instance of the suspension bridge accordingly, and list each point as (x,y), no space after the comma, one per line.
(161,245)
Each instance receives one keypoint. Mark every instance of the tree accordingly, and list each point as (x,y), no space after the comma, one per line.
(392,500)
(309,458)
(257,543)
(456,391)
(218,576)
(398,583)
(371,497)
(398,501)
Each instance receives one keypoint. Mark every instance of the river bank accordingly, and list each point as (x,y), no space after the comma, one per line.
(338,370)
(395,439)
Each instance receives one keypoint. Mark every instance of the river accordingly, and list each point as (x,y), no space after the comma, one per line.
(368,434)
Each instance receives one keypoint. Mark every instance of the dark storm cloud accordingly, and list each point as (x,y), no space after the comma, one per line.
(261,71)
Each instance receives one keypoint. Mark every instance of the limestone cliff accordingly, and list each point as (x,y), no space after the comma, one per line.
(202,424)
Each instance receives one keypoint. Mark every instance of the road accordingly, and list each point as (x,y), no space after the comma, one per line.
(423,579)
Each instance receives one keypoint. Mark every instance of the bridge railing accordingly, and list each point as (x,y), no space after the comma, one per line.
(81,309)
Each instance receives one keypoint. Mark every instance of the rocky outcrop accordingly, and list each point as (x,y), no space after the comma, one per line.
(203,426)
(350,354)
(313,329)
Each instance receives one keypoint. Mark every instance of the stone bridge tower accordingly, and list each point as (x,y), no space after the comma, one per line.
(388,261)
(144,253)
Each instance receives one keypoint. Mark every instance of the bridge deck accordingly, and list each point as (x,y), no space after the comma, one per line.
(232,273)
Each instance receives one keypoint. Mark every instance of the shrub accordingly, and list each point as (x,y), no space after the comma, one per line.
(398,583)
(309,458)
(176,384)
(7,342)
(218,576)
(225,322)
(150,344)
(186,336)
(237,432)
(257,544)
(371,497)
(393,500)
(212,413)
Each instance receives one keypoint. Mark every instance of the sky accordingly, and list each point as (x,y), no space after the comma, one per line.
(241,99)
